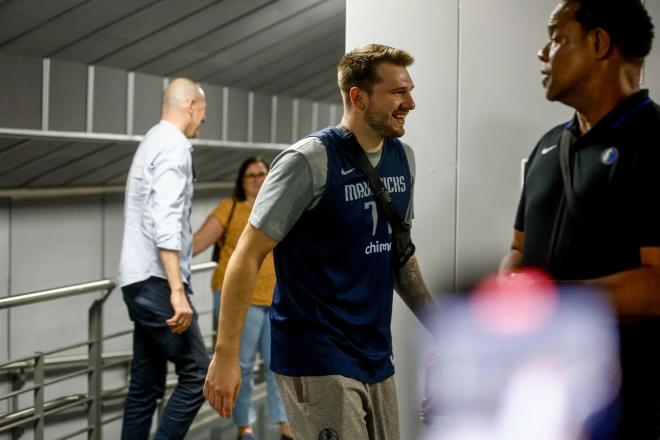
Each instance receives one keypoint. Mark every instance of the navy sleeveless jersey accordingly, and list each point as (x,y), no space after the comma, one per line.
(332,306)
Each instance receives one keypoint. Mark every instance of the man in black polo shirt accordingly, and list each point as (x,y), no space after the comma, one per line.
(590,207)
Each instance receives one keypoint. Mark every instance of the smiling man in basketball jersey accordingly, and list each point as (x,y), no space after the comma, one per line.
(338,256)
(590,208)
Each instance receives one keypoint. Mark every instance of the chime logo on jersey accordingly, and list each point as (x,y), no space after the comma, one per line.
(376,247)
(357,191)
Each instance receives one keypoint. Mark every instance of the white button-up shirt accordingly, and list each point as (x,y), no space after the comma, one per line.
(157,205)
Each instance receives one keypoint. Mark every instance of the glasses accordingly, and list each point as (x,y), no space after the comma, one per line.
(254,175)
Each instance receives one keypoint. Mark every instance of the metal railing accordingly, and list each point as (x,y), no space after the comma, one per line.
(91,365)
(60,292)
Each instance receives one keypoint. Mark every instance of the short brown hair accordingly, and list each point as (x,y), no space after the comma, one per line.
(357,68)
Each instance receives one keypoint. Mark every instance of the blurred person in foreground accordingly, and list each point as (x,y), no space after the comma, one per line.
(223,227)
(589,210)
(154,270)
(521,358)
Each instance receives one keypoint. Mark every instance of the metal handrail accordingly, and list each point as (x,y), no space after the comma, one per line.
(17,393)
(60,292)
(203,266)
(62,378)
(96,361)
(73,434)
(66,361)
(22,360)
(25,415)
(75,289)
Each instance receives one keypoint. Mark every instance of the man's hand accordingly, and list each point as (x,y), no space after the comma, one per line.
(183,313)
(224,375)
(223,381)
(513,260)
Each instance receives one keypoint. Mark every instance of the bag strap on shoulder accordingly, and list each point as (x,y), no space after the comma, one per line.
(403,244)
(218,245)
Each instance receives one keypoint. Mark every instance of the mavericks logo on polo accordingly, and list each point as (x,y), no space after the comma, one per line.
(609,156)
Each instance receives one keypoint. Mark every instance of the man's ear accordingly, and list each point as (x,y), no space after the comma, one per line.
(191,107)
(601,43)
(359,98)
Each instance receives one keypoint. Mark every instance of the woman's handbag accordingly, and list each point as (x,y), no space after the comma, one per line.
(221,242)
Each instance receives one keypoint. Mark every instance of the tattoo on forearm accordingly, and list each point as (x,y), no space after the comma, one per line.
(411,287)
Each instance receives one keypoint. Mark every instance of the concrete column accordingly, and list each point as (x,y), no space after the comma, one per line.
(429,31)
(652,69)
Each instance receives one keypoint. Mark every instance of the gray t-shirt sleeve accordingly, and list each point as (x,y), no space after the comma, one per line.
(294,184)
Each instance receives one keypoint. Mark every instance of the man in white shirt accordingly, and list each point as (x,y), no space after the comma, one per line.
(154,270)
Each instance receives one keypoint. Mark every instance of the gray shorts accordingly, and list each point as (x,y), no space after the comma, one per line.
(340,408)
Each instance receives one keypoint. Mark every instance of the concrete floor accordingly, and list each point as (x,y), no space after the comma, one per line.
(213,427)
(223,432)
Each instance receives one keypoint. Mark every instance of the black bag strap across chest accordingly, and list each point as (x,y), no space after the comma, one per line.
(403,245)
(215,256)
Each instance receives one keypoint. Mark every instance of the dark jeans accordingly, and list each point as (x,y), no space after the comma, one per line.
(154,344)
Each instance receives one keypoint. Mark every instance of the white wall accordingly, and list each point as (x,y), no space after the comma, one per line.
(652,70)
(502,113)
(480,111)
(429,31)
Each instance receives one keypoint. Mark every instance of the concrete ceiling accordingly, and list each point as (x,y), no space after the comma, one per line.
(275,47)
(284,47)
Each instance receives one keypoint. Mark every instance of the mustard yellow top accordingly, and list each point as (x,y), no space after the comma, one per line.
(263,292)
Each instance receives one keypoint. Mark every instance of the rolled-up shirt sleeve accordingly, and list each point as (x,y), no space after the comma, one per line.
(170,174)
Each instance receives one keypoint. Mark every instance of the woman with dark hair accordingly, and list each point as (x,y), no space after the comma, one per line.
(223,227)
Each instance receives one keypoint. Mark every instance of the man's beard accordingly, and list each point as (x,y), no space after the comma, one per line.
(379,123)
